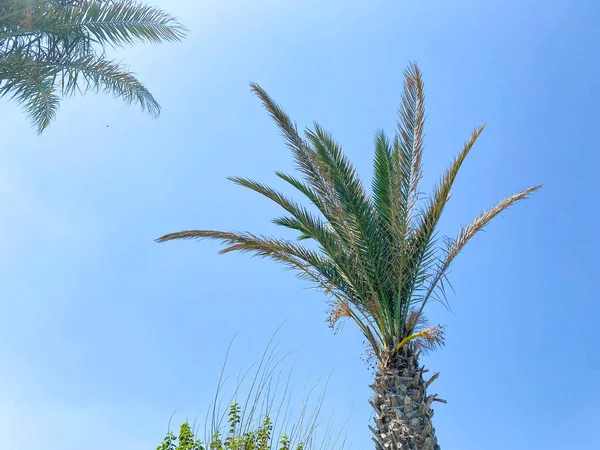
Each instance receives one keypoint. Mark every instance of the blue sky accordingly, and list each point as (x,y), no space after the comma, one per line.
(103,334)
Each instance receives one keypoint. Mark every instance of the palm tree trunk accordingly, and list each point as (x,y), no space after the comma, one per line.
(402,408)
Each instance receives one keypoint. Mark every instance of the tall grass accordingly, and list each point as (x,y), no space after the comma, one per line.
(261,412)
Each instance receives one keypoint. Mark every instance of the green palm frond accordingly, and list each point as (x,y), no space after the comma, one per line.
(306,158)
(38,99)
(406,167)
(382,187)
(33,82)
(109,23)
(52,47)
(306,222)
(101,75)
(420,246)
(376,256)
(116,23)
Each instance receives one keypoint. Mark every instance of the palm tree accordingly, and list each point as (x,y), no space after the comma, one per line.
(375,256)
(49,47)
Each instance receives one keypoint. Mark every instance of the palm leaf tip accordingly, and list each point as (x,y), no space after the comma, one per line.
(187,234)
(485,217)
(107,76)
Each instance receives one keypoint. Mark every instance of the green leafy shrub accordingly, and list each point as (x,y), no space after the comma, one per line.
(260,438)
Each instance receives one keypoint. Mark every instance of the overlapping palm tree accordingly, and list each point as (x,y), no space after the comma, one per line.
(376,256)
(54,48)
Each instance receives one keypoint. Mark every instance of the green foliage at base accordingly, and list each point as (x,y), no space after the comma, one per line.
(259,438)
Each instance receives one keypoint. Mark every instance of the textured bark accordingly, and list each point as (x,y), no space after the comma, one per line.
(402,408)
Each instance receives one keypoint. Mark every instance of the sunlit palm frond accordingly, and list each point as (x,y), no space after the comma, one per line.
(397,172)
(359,228)
(37,99)
(109,23)
(421,244)
(32,86)
(101,75)
(410,133)
(308,263)
(382,182)
(479,223)
(33,82)
(288,253)
(306,158)
(120,23)
(358,222)
(307,223)
(304,188)
(465,235)
(59,45)
(441,193)
(302,153)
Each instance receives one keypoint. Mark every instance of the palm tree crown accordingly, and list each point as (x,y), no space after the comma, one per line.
(376,256)
(59,45)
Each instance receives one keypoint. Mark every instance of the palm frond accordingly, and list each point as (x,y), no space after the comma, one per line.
(307,161)
(304,188)
(308,263)
(119,23)
(479,223)
(101,75)
(382,181)
(406,172)
(466,234)
(352,201)
(288,253)
(35,78)
(410,135)
(310,227)
(360,224)
(111,23)
(31,86)
(289,131)
(421,245)
(306,222)
(441,193)
(56,44)
(38,100)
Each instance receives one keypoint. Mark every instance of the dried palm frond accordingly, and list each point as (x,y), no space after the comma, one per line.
(429,339)
(415,321)
(464,236)
(340,310)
